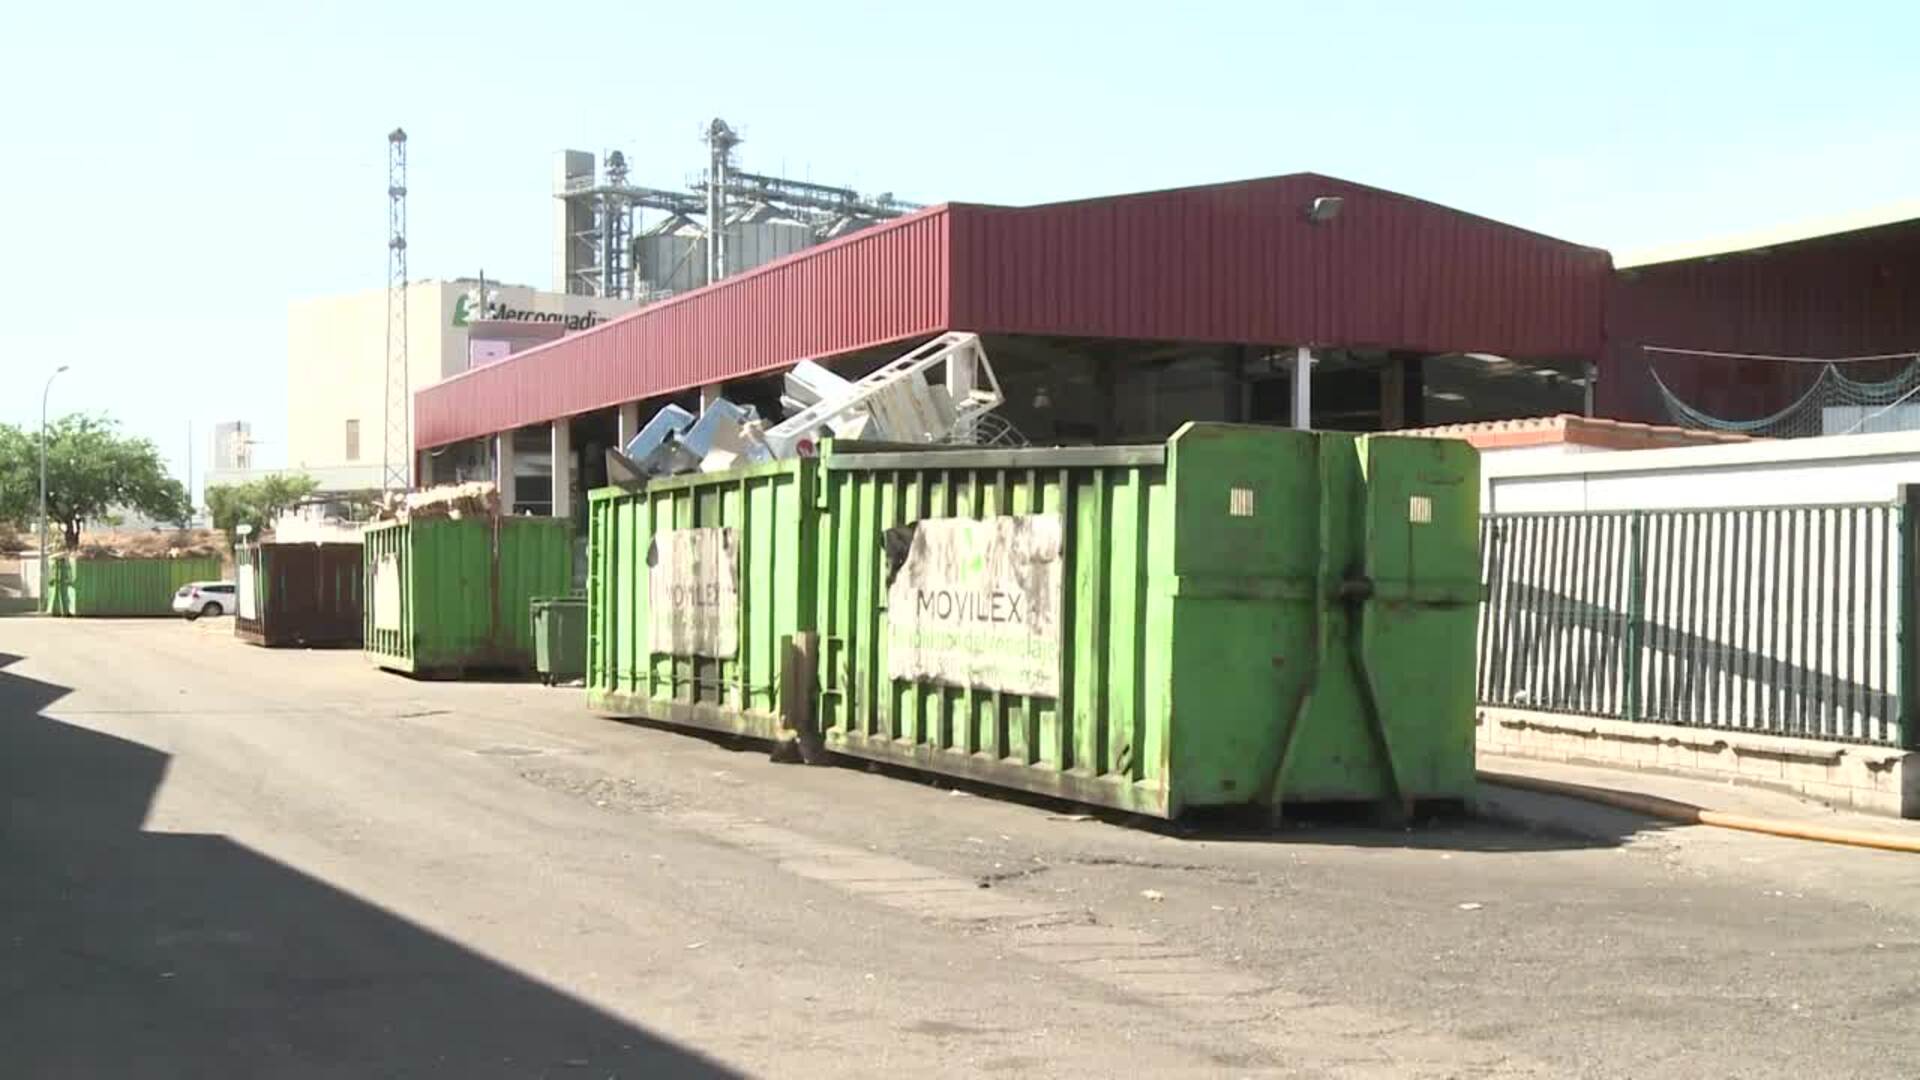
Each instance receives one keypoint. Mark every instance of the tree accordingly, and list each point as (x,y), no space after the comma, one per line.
(257,502)
(92,471)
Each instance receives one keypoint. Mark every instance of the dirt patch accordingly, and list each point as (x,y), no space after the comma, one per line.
(158,544)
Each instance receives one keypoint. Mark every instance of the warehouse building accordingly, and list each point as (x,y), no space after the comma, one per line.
(1298,299)
(1731,333)
(337,361)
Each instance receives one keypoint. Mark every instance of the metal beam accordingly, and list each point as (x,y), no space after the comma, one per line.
(1303,389)
(560,467)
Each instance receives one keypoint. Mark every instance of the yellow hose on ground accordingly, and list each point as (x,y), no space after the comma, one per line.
(1689,814)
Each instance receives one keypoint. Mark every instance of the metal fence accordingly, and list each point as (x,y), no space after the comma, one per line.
(1784,621)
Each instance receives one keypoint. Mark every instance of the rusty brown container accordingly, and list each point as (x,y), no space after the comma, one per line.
(298,594)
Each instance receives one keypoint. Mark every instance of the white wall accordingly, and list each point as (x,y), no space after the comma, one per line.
(334,478)
(337,371)
(1781,472)
(337,360)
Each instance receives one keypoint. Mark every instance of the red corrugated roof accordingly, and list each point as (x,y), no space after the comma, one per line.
(1229,263)
(1853,294)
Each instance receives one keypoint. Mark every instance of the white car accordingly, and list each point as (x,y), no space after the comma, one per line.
(197,598)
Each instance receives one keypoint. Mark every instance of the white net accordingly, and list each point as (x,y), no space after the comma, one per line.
(991,429)
(1835,404)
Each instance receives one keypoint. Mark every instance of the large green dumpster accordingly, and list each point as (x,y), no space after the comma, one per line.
(1242,615)
(694,586)
(121,587)
(559,625)
(447,596)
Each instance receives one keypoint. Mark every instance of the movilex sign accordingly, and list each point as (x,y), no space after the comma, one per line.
(977,603)
(693,593)
(466,306)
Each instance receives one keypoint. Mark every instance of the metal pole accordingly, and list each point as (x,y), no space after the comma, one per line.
(1303,388)
(714,208)
(1907,619)
(44,392)
(720,143)
(720,180)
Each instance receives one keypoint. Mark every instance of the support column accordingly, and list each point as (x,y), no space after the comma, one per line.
(503,469)
(627,422)
(1592,372)
(710,393)
(963,371)
(1303,389)
(1393,394)
(561,448)
(1239,403)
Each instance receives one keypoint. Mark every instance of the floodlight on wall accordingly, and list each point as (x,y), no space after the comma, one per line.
(1324,208)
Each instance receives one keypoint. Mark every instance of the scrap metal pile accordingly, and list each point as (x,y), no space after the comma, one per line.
(479,498)
(897,403)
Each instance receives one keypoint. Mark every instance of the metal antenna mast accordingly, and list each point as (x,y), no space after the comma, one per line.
(399,447)
(720,143)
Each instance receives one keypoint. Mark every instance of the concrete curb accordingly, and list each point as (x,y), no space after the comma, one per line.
(1561,815)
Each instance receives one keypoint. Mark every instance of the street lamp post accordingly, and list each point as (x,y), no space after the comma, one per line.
(46,390)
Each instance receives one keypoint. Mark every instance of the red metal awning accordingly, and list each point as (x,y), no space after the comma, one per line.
(1229,263)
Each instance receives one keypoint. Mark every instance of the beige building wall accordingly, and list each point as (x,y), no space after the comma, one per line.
(337,362)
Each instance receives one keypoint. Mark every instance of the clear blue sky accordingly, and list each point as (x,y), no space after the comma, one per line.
(175,174)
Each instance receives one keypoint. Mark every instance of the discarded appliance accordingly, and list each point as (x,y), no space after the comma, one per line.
(722,438)
(896,403)
(649,449)
(675,442)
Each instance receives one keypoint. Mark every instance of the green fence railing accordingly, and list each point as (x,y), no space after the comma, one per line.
(1778,620)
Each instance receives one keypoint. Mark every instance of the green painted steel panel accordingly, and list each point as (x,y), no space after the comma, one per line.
(1390,712)
(1247,615)
(1257,620)
(1418,625)
(1103,740)
(445,596)
(122,587)
(771,510)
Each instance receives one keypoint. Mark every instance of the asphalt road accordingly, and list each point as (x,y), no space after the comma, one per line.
(217,860)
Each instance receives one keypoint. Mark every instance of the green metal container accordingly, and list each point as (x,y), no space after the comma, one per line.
(1243,616)
(1240,616)
(737,552)
(559,625)
(121,587)
(448,596)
